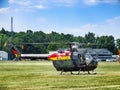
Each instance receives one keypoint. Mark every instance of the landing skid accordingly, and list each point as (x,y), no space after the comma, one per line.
(64,71)
(91,73)
(78,72)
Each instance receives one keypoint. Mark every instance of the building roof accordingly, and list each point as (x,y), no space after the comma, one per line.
(95,51)
(2,52)
(103,51)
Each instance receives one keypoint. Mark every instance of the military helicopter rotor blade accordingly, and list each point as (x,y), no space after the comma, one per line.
(41,43)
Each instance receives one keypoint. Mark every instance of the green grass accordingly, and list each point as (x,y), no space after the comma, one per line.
(41,75)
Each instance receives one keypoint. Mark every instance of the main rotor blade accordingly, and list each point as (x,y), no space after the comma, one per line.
(41,43)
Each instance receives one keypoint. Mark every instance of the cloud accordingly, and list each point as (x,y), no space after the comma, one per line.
(17,6)
(4,10)
(107,27)
(90,2)
(114,21)
(21,2)
(33,5)
(26,5)
(11,1)
(66,3)
(41,4)
(39,7)
(96,2)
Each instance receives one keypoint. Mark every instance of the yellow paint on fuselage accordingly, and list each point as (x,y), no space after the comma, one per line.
(60,58)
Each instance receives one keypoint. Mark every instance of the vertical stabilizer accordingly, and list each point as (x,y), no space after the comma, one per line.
(15,51)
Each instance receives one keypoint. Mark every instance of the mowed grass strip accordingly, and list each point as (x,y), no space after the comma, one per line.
(41,75)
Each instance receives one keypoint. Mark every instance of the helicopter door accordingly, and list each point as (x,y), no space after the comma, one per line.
(81,58)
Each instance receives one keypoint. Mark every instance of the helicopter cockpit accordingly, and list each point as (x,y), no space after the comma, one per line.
(63,50)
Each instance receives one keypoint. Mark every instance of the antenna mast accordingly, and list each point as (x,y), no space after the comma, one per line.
(12,27)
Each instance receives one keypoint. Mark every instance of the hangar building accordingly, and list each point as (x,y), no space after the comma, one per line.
(3,55)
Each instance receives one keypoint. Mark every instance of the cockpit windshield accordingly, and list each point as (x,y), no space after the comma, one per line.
(88,58)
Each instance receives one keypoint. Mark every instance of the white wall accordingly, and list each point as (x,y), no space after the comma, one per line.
(3,55)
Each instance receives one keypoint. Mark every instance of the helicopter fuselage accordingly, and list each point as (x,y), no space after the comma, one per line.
(73,61)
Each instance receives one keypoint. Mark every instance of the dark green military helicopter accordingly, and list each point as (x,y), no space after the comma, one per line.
(74,58)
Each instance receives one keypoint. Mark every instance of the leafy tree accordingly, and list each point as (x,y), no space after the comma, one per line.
(52,46)
(61,39)
(39,37)
(80,39)
(90,37)
(3,31)
(106,42)
(118,43)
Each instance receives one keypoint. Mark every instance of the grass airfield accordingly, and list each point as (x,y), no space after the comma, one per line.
(41,75)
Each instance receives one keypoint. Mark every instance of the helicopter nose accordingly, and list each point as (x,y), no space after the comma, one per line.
(95,63)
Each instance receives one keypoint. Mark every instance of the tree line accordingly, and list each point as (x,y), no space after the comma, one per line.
(56,40)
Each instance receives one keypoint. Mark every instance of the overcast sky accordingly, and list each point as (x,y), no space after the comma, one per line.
(77,17)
